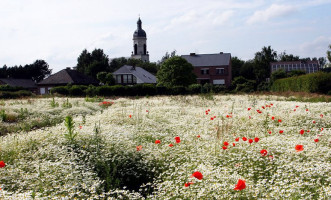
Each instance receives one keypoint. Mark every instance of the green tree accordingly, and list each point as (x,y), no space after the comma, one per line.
(92,63)
(328,53)
(117,63)
(38,70)
(262,62)
(287,57)
(236,64)
(278,75)
(176,71)
(247,70)
(167,56)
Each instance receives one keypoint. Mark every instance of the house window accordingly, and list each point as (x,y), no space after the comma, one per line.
(205,71)
(219,82)
(118,79)
(129,78)
(49,90)
(134,79)
(42,90)
(219,70)
(125,78)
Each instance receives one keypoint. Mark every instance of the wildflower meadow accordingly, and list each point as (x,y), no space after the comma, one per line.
(169,147)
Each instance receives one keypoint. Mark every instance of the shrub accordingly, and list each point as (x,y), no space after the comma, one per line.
(317,82)
(219,88)
(104,90)
(178,90)
(63,90)
(118,90)
(207,87)
(91,91)
(17,94)
(195,89)
(78,90)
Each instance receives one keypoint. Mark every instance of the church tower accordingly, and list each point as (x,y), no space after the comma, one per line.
(140,44)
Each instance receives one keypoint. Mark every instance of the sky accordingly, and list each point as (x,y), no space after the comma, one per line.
(57,31)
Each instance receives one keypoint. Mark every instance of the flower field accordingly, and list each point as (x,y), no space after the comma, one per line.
(176,147)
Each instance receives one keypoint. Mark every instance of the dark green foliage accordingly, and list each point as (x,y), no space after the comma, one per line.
(142,90)
(278,75)
(118,90)
(14,95)
(104,90)
(207,87)
(10,88)
(242,84)
(295,73)
(62,90)
(77,90)
(36,71)
(195,89)
(328,53)
(176,71)
(236,65)
(91,91)
(178,90)
(316,83)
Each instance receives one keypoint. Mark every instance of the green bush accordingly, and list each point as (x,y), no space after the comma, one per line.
(219,88)
(13,95)
(9,88)
(77,90)
(63,90)
(91,91)
(194,88)
(317,83)
(178,90)
(104,90)
(118,90)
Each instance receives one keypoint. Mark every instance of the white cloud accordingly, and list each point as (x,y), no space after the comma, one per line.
(316,47)
(273,11)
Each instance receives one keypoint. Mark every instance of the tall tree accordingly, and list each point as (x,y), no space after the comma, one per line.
(92,63)
(176,71)
(236,65)
(328,53)
(167,56)
(38,70)
(262,62)
(287,57)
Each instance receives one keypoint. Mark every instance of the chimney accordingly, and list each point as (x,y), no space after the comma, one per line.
(68,68)
(192,54)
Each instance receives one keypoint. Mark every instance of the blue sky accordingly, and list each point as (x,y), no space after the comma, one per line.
(57,31)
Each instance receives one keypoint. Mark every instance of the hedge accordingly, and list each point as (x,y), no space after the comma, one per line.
(315,83)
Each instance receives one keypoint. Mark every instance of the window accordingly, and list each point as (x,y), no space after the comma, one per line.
(219,82)
(42,90)
(118,79)
(205,71)
(125,78)
(220,71)
(134,79)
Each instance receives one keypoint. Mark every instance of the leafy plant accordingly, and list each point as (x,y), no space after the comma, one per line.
(54,103)
(3,115)
(67,104)
(69,123)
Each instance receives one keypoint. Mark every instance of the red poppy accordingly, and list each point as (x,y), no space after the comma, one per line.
(240,185)
(250,141)
(263,152)
(237,139)
(146,110)
(271,104)
(279,120)
(281,131)
(256,139)
(308,131)
(171,145)
(269,132)
(188,184)
(316,140)
(2,164)
(302,131)
(212,118)
(198,136)
(272,117)
(263,107)
(295,110)
(322,129)
(157,141)
(226,143)
(297,106)
(80,127)
(224,147)
(139,148)
(233,144)
(130,116)
(250,117)
(321,115)
(307,110)
(177,139)
(314,122)
(271,157)
(244,139)
(197,175)
(227,116)
(299,147)
(259,111)
(248,108)
(208,110)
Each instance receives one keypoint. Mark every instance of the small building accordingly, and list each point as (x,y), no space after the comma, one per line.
(27,84)
(65,77)
(130,75)
(211,68)
(287,66)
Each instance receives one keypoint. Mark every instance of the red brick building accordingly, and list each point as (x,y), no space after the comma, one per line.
(211,68)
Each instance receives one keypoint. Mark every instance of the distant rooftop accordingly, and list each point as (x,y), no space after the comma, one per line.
(208,60)
(138,72)
(24,83)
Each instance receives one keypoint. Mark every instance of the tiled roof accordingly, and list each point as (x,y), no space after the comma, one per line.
(24,83)
(208,60)
(138,72)
(66,76)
